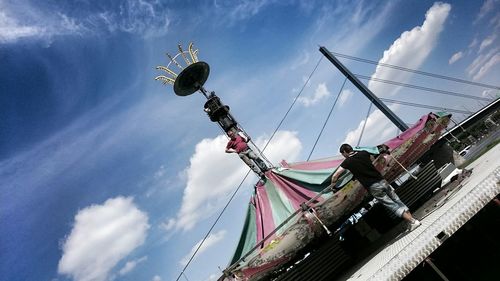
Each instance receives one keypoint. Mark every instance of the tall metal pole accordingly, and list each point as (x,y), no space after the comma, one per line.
(371,96)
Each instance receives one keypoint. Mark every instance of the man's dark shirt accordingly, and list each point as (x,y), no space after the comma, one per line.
(360,165)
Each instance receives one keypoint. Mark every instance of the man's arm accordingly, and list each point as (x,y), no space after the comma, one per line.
(229,149)
(337,174)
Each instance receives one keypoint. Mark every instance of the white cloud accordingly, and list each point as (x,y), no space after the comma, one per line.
(130,265)
(169,225)
(495,21)
(284,145)
(410,49)
(490,93)
(485,68)
(378,129)
(233,11)
(141,17)
(482,64)
(488,6)
(25,21)
(301,60)
(11,30)
(159,181)
(156,278)
(212,175)
(345,96)
(456,57)
(474,43)
(488,51)
(320,94)
(357,23)
(160,173)
(211,240)
(147,18)
(213,277)
(102,235)
(487,42)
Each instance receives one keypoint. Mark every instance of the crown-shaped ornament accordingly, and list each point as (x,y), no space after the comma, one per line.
(192,75)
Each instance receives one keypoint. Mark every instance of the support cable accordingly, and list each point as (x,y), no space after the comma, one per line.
(241,183)
(212,227)
(293,103)
(418,71)
(364,124)
(425,106)
(327,118)
(421,88)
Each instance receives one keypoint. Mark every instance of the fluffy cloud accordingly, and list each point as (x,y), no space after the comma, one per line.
(231,12)
(320,94)
(212,175)
(487,42)
(156,278)
(345,96)
(301,60)
(488,6)
(45,21)
(483,63)
(410,49)
(11,29)
(488,64)
(378,129)
(102,235)
(490,93)
(211,240)
(141,17)
(488,55)
(284,145)
(455,57)
(130,265)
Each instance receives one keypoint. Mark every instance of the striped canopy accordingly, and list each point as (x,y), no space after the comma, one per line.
(290,185)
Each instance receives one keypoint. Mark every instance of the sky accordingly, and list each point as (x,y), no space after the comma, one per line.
(106,174)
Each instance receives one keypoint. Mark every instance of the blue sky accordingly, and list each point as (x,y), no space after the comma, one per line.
(105,174)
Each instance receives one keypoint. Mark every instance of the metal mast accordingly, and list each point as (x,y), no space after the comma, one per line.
(371,96)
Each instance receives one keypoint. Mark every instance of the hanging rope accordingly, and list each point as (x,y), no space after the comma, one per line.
(293,103)
(327,118)
(364,124)
(212,227)
(241,183)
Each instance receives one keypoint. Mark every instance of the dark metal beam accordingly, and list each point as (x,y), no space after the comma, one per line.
(371,96)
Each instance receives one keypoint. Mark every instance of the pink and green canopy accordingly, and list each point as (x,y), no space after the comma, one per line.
(290,185)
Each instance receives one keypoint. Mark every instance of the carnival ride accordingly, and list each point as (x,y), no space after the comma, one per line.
(295,205)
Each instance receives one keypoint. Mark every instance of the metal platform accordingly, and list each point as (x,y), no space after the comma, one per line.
(408,250)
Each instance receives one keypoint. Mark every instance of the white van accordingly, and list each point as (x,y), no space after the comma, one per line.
(465,150)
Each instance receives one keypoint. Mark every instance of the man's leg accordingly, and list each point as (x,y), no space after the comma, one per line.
(406,214)
(383,192)
(250,163)
(252,155)
(380,191)
(392,194)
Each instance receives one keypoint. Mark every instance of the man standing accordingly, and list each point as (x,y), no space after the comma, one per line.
(359,163)
(238,144)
